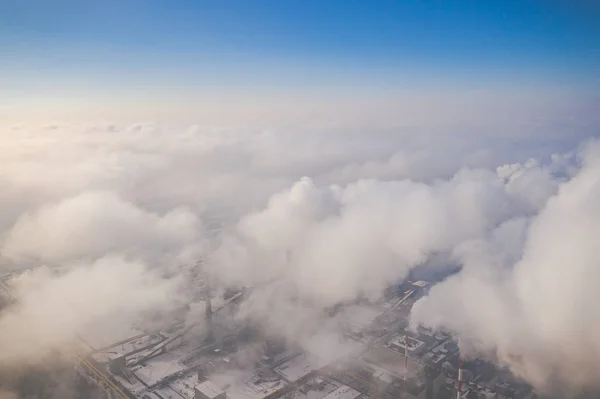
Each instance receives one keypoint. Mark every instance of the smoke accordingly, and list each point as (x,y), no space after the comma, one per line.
(116,214)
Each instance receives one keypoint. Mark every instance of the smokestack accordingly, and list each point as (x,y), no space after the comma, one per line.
(405,358)
(208,313)
(460,377)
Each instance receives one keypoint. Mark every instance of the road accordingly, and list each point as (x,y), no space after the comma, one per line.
(112,390)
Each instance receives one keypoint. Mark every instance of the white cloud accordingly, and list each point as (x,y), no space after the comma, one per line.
(324,245)
(93,224)
(377,204)
(52,309)
(528,297)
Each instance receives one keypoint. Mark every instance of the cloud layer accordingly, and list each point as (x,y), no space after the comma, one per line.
(311,219)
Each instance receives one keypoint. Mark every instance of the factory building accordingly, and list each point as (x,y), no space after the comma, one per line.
(116,364)
(208,390)
(343,392)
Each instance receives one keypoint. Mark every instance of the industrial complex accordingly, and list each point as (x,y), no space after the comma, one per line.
(221,357)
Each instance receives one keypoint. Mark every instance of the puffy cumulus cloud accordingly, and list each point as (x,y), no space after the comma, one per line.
(52,309)
(527,293)
(313,247)
(533,182)
(93,224)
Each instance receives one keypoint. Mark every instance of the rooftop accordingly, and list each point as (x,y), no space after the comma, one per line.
(343,392)
(209,389)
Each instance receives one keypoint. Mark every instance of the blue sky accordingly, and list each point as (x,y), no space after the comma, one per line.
(84,49)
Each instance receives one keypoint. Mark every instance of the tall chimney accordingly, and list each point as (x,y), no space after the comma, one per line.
(460,377)
(208,312)
(405,358)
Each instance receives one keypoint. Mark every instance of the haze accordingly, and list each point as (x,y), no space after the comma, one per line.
(318,153)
